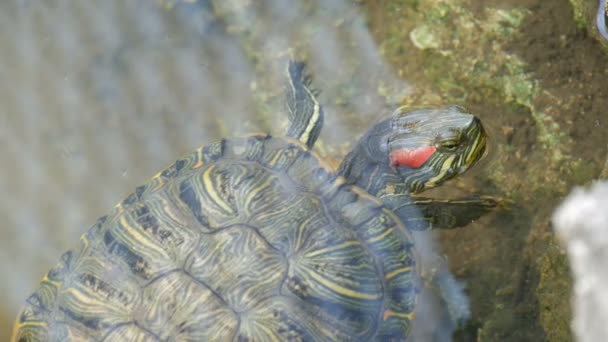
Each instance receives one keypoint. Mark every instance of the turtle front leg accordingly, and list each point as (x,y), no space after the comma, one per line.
(420,213)
(444,296)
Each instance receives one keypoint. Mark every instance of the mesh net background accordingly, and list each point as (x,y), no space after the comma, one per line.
(96,97)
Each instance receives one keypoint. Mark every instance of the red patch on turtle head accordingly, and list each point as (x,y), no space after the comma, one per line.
(411,157)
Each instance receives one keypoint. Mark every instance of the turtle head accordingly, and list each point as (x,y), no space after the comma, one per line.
(415,151)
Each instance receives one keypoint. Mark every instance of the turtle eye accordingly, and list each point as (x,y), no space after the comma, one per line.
(449,145)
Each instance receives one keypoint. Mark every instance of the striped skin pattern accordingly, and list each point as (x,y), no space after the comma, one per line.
(457,141)
(248,239)
(460,141)
(458,138)
(304,111)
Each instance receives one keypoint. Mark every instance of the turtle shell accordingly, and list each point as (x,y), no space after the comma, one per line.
(251,238)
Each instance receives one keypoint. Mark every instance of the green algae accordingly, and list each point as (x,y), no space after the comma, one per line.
(553,290)
(471,52)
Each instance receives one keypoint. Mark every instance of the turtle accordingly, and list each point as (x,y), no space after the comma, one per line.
(257,238)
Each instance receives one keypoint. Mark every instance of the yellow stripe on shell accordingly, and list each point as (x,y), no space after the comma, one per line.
(217,199)
(343,290)
(300,234)
(199,157)
(159,181)
(52,282)
(276,157)
(34,323)
(332,249)
(140,238)
(390,313)
(254,192)
(362,193)
(380,236)
(18,326)
(393,274)
(268,332)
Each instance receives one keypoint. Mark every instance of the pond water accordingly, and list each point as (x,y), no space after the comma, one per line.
(98,97)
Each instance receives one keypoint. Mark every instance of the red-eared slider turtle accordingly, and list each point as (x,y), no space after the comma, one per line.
(255,238)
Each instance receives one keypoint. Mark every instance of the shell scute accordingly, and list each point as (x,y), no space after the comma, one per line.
(252,238)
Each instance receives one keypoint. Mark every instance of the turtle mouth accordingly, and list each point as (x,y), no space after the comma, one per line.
(477,147)
(479,151)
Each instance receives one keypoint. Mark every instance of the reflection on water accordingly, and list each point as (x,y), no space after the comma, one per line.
(97,97)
